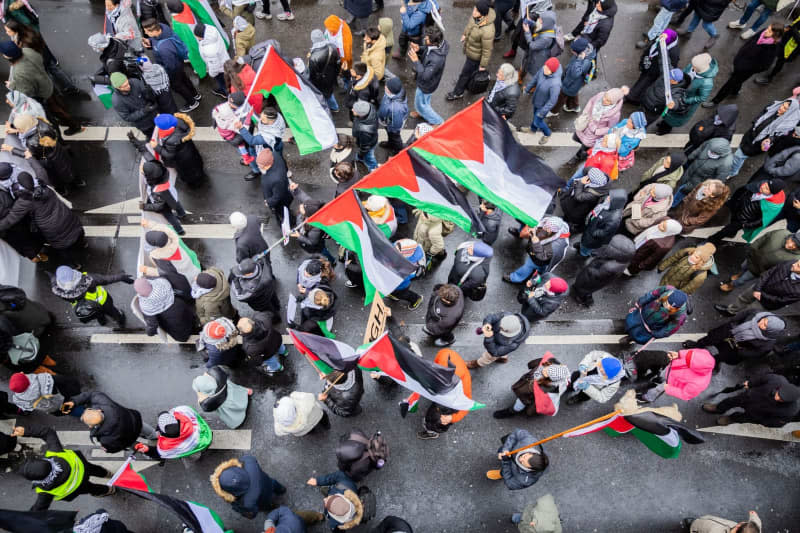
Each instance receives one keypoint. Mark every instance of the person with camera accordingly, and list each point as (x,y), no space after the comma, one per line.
(85,292)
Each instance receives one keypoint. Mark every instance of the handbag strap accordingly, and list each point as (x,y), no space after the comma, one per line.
(469,271)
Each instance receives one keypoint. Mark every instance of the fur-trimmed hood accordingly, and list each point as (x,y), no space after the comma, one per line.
(225,495)
(190,126)
(356,501)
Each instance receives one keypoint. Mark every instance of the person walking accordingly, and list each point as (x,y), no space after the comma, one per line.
(170,52)
(503,333)
(701,72)
(547,247)
(608,262)
(415,254)
(539,40)
(753,208)
(776,288)
(707,12)
(85,292)
(262,343)
(542,296)
(773,248)
(599,23)
(134,102)
(166,303)
(413,14)
(445,309)
(539,390)
(275,184)
(750,336)
(600,114)
(662,20)
(721,124)
(299,414)
(365,132)
(374,54)
(688,268)
(247,237)
(324,64)
(253,283)
(478,41)
(700,205)
(343,507)
(650,63)
(428,61)
(524,468)
(710,161)
(176,149)
(649,205)
(43,392)
(687,375)
(243,484)
(212,296)
(541,517)
(582,197)
(214,53)
(769,400)
(218,394)
(471,266)
(788,51)
(652,245)
(578,72)
(548,88)
(505,93)
(768,8)
(392,114)
(602,222)
(597,378)
(656,315)
(113,426)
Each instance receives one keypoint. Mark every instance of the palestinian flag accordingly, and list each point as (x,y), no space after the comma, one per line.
(410,178)
(195,435)
(183,23)
(301,103)
(104,94)
(661,434)
(197,517)
(396,360)
(476,149)
(383,266)
(325,354)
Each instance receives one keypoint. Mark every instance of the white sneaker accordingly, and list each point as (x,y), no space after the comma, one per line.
(551,114)
(571,110)
(747,34)
(285,16)
(736,25)
(262,16)
(569,37)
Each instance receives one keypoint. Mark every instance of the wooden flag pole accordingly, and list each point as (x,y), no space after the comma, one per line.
(557,435)
(337,380)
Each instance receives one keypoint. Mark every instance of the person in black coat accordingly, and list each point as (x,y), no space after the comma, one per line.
(161,195)
(597,25)
(393,524)
(41,140)
(776,288)
(602,222)
(345,393)
(19,236)
(504,96)
(275,183)
(261,342)
(176,148)
(650,64)
(491,218)
(745,210)
(654,100)
(253,283)
(310,238)
(134,102)
(323,67)
(608,262)
(584,196)
(471,264)
(166,302)
(247,237)
(791,211)
(722,124)
(428,61)
(541,297)
(502,333)
(750,335)
(365,86)
(365,132)
(115,427)
(707,11)
(317,307)
(445,310)
(769,400)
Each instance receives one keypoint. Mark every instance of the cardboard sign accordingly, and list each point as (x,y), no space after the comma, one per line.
(377,320)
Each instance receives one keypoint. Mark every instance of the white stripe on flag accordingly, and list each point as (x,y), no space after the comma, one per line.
(591,429)
(318,117)
(384,280)
(206,519)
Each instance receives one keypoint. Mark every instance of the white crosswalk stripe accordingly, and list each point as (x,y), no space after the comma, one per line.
(756,431)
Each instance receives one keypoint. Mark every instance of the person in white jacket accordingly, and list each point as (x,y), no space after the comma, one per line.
(298,414)
(214,54)
(597,378)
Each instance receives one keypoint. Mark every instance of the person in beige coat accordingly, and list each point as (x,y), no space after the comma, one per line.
(430,232)
(700,205)
(649,205)
(298,414)
(715,524)
(477,41)
(374,54)
(688,268)
(244,36)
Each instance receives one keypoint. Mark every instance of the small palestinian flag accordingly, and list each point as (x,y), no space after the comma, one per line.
(661,434)
(396,360)
(325,354)
(104,93)
(410,178)
(183,23)
(476,149)
(301,103)
(345,220)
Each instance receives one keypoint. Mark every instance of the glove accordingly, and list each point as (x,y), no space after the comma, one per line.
(403,408)
(139,145)
(583,369)
(583,385)
(140,447)
(128,279)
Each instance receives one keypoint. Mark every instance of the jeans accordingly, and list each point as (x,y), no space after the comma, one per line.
(539,124)
(332,104)
(422,103)
(578,175)
(750,9)
(738,160)
(678,196)
(708,26)
(220,81)
(745,276)
(273,363)
(660,23)
(469,68)
(524,272)
(369,159)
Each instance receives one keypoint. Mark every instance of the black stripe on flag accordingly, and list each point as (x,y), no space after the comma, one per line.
(179,507)
(434,378)
(384,251)
(662,425)
(327,351)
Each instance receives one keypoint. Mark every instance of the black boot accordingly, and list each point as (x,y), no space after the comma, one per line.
(504,413)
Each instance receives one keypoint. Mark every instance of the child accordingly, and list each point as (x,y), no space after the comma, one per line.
(392,114)
(631,131)
(579,71)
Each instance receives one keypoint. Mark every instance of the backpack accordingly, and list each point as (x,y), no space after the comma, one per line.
(180,46)
(557,46)
(24,349)
(12,298)
(479,82)
(356,453)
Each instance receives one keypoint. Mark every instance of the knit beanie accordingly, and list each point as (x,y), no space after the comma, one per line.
(552,64)
(265,158)
(639,119)
(701,62)
(238,219)
(118,79)
(483,7)
(677,298)
(361,108)
(796,238)
(395,85)
(153,171)
(5,170)
(238,98)
(579,45)
(776,186)
(205,280)
(317,36)
(175,6)
(617,93)
(558,285)
(510,326)
(158,239)
(676,74)
(199,30)
(165,121)
(19,382)
(215,330)
(35,469)
(611,366)
(10,50)
(142,287)
(705,251)
(285,411)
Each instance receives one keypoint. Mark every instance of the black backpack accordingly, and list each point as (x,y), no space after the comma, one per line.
(12,298)
(357,455)
(479,82)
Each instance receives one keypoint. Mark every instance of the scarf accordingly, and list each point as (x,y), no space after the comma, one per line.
(555,373)
(759,196)
(712,155)
(197,291)
(272,132)
(599,380)
(557,226)
(55,470)
(677,159)
(516,459)
(749,331)
(763,39)
(654,48)
(591,23)
(600,207)
(673,228)
(635,133)
(40,385)
(92,523)
(499,85)
(599,109)
(318,45)
(160,299)
(780,125)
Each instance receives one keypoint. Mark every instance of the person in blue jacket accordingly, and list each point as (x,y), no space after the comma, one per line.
(284,520)
(412,15)
(343,507)
(243,484)
(392,114)
(576,75)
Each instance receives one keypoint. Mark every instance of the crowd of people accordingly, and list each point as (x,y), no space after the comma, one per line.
(144,51)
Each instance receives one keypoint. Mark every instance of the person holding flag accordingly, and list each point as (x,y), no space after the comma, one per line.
(523,469)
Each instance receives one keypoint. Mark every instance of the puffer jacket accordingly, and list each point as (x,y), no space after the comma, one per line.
(505,100)
(655,97)
(680,274)
(650,214)
(777,287)
(441,318)
(701,167)
(770,250)
(263,341)
(375,56)
(365,131)
(698,92)
(256,488)
(711,10)
(499,345)
(479,39)
(596,129)
(213,51)
(414,17)
(548,88)
(608,262)
(539,307)
(693,213)
(539,43)
(138,107)
(689,374)
(784,164)
(602,227)
(491,223)
(514,476)
(216,303)
(344,397)
(393,111)
(749,212)
(576,70)
(544,516)
(168,147)
(323,68)
(430,67)
(257,292)
(579,201)
(58,225)
(120,426)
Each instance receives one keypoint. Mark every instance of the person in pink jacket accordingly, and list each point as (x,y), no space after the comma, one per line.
(687,375)
(602,112)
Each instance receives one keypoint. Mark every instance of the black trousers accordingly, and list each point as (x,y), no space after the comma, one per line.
(406,294)
(403,39)
(579,26)
(727,231)
(650,361)
(395,140)
(87,487)
(181,84)
(55,106)
(110,311)
(165,102)
(284,5)
(736,401)
(469,68)
(646,79)
(732,86)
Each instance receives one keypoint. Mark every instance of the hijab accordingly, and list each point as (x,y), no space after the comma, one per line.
(778,125)
(677,160)
(653,232)
(749,331)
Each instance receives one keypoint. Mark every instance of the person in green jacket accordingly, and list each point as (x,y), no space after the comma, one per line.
(777,246)
(541,517)
(701,71)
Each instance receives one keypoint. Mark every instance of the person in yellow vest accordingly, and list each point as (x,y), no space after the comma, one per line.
(61,474)
(788,50)
(89,299)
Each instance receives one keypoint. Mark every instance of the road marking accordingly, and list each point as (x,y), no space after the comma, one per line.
(222,439)
(128,207)
(141,338)
(756,431)
(113,466)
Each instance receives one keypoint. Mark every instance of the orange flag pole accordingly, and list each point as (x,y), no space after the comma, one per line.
(557,435)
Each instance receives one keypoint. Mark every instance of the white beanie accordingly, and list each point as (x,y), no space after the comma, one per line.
(361,108)
(375,202)
(285,412)
(238,220)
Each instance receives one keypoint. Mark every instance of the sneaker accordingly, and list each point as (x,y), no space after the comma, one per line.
(190,107)
(349,284)
(263,16)
(736,25)
(453,96)
(494,475)
(569,37)
(252,176)
(762,80)
(198,97)
(393,297)
(414,305)
(220,94)
(747,34)
(708,104)
(427,435)
(544,140)
(441,343)
(285,16)
(550,114)
(571,109)
(524,129)
(247,159)
(72,131)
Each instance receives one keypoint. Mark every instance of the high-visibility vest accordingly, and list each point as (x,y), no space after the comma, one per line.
(75,478)
(99,295)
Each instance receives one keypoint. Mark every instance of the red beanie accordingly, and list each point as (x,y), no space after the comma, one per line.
(558,285)
(215,330)
(19,382)
(552,64)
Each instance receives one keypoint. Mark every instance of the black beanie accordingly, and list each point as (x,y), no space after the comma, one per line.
(26,180)
(35,469)
(776,186)
(200,30)
(175,6)
(5,170)
(238,98)
(153,171)
(156,238)
(314,267)
(206,281)
(483,7)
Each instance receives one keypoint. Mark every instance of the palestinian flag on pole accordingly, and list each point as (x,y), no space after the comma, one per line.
(197,517)
(661,434)
(410,178)
(396,360)
(325,354)
(475,148)
(183,23)
(383,266)
(301,103)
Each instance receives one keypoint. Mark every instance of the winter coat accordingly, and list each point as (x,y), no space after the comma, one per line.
(540,42)
(650,214)
(477,276)
(711,10)
(244,40)
(323,68)
(579,201)
(165,51)
(345,402)
(286,521)
(731,351)
(777,287)
(693,213)
(216,303)
(650,320)
(263,341)
(602,31)
(715,524)
(749,145)
(698,92)
(670,179)
(514,476)
(365,131)
(602,391)
(414,17)
(367,88)
(548,88)
(601,228)
(29,77)
(138,106)
(608,263)
(479,39)
(430,67)
(491,223)
(544,514)
(547,256)
(596,129)
(120,426)
(393,111)
(178,320)
(536,308)
(358,8)
(784,165)
(753,57)
(654,100)
(339,483)
(440,318)
(770,250)
(706,129)
(374,56)
(749,212)
(393,524)
(248,240)
(178,151)
(650,253)
(689,374)
(254,488)
(57,224)
(44,144)
(505,100)
(760,405)
(213,51)
(308,413)
(498,345)
(275,184)
(680,274)
(575,72)
(257,292)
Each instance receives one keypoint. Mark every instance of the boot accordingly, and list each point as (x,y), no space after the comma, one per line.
(472,364)
(494,475)
(504,413)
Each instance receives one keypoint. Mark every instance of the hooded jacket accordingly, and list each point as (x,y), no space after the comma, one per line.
(375,56)
(770,250)
(323,68)
(258,292)
(784,164)
(777,287)
(367,88)
(414,17)
(706,129)
(440,318)
(365,131)
(548,88)
(339,483)
(244,485)
(680,274)
(602,227)
(749,212)
(498,345)
(702,167)
(544,514)
(731,351)
(514,476)
(602,31)
(698,92)
(57,224)
(759,401)
(248,240)
(430,67)
(393,111)
(263,341)
(576,70)
(609,261)
(596,129)
(120,426)
(165,51)
(539,42)
(138,106)
(579,201)
(603,389)
(479,39)
(537,308)
(711,10)
(491,221)
(213,51)
(689,374)
(693,213)
(216,303)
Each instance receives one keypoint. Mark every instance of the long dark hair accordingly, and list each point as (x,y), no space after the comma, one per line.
(26,37)
(231,70)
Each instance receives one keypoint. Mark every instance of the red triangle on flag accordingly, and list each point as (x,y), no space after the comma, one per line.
(273,72)
(128,478)
(399,173)
(381,356)
(343,208)
(186,16)
(460,137)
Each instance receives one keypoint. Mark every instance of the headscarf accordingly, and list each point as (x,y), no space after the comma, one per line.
(160,298)
(597,178)
(780,125)
(653,232)
(554,225)
(600,145)
(591,23)
(23,105)
(639,130)
(672,41)
(749,331)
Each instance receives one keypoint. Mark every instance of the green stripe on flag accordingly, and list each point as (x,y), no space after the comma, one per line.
(653,442)
(203,12)
(185,34)
(104,93)
(348,236)
(322,366)
(296,117)
(188,251)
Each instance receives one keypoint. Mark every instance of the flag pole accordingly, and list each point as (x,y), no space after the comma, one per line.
(561,434)
(337,380)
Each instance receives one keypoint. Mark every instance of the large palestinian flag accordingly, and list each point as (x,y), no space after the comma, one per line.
(396,360)
(325,354)
(410,178)
(661,434)
(301,103)
(183,23)
(476,149)
(383,266)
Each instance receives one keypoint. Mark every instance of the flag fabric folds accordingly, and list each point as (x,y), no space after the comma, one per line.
(325,354)
(199,11)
